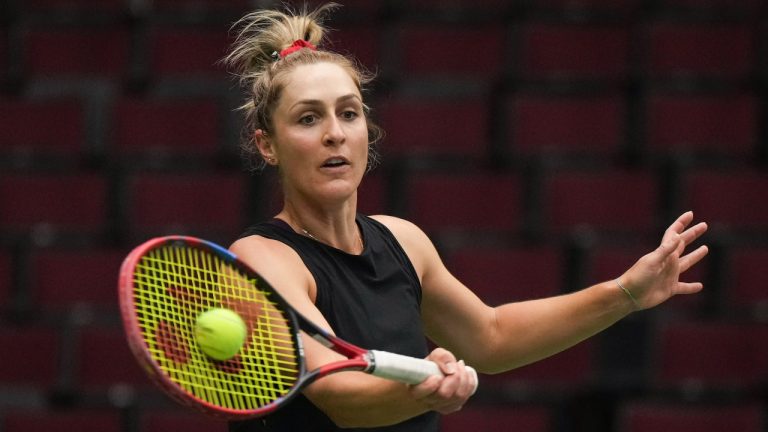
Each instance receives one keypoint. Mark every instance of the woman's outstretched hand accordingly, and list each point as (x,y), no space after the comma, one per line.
(655,277)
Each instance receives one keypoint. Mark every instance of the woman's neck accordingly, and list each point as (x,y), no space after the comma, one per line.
(336,228)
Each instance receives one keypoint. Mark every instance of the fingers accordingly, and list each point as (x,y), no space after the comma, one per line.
(692,258)
(448,393)
(691,234)
(689,287)
(679,225)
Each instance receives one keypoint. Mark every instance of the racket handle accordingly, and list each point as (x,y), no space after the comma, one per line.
(406,369)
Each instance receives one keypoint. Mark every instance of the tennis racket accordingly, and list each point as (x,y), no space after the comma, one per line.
(166,283)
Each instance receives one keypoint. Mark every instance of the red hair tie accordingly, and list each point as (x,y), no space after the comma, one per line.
(295,46)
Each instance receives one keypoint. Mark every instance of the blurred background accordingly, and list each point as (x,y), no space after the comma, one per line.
(544,145)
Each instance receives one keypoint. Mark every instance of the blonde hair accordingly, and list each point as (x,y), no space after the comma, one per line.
(261,69)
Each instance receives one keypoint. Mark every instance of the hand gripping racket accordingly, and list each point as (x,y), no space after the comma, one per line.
(166,283)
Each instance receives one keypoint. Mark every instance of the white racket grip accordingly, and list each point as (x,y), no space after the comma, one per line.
(407,369)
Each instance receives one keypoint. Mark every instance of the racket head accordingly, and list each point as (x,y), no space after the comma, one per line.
(164,284)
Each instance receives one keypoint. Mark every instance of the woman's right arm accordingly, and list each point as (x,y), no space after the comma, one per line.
(351,399)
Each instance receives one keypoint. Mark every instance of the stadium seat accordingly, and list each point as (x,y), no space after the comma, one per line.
(168,128)
(74,8)
(733,200)
(65,420)
(188,421)
(33,361)
(67,203)
(545,124)
(563,372)
(453,9)
(206,204)
(606,200)
(501,275)
(574,52)
(744,289)
(91,278)
(650,416)
(188,51)
(716,125)
(715,8)
(22,138)
(678,50)
(77,51)
(468,202)
(103,360)
(372,194)
(588,7)
(420,126)
(6,279)
(429,51)
(177,8)
(711,355)
(479,418)
(359,40)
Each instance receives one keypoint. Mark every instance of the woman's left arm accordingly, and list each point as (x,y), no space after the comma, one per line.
(497,339)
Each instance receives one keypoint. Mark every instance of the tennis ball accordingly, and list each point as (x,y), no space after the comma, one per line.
(220,333)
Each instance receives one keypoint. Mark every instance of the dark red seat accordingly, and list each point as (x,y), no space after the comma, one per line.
(419,126)
(731,199)
(77,419)
(712,417)
(571,52)
(424,51)
(188,420)
(6,279)
(177,203)
(104,360)
(22,137)
(465,202)
(719,125)
(188,51)
(543,124)
(717,8)
(77,52)
(34,359)
(744,286)
(91,278)
(562,372)
(69,203)
(502,275)
(172,127)
(607,201)
(711,355)
(480,418)
(589,7)
(700,50)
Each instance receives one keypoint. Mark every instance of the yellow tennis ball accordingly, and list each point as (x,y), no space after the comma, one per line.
(220,333)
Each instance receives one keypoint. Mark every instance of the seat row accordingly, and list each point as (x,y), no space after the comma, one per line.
(556,202)
(534,49)
(519,126)
(82,363)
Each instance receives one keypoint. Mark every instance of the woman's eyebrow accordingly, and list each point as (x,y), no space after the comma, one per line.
(318,102)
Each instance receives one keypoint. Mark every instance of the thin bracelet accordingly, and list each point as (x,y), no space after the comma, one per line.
(629,294)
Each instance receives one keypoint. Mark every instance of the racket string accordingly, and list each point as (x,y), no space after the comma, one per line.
(173,286)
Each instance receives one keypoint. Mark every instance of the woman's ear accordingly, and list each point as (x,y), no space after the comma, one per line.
(264,145)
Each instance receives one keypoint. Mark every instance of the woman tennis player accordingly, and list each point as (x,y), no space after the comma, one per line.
(377,281)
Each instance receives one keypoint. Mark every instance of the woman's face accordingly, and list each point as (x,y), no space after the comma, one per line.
(320,135)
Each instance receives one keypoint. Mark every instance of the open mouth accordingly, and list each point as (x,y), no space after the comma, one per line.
(335,162)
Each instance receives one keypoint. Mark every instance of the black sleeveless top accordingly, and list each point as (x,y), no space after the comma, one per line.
(372,300)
